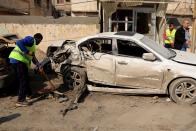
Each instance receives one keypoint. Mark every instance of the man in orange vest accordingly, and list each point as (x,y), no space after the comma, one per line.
(169,36)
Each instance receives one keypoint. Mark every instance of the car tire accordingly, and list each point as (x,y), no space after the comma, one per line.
(183,91)
(74,77)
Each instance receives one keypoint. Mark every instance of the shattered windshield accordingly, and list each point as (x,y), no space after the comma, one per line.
(166,53)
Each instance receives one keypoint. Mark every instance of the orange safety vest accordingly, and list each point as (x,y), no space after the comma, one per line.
(170,35)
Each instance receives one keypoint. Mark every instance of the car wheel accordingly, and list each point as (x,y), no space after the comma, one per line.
(75,78)
(183,90)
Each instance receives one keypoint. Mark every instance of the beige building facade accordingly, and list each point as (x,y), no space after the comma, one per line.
(88,8)
(14,7)
(142,16)
(181,8)
(26,7)
(56,8)
(178,10)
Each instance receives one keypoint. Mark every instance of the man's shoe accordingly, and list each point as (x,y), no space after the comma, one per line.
(22,104)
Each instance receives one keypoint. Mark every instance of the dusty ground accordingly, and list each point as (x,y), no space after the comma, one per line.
(98,112)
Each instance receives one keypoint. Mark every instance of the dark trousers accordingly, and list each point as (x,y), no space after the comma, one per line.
(22,81)
(168,46)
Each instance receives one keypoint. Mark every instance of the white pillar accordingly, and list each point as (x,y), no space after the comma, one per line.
(110,24)
(126,23)
(103,19)
(153,27)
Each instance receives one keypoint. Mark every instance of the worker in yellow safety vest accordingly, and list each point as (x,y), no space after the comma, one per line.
(169,36)
(21,57)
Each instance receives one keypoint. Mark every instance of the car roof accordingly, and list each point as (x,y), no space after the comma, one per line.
(127,34)
(122,34)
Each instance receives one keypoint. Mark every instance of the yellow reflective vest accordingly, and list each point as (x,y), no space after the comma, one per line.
(170,35)
(21,56)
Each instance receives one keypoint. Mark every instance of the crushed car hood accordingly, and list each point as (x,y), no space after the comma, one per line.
(185,57)
(57,43)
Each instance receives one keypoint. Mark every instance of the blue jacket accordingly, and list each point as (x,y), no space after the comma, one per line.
(27,41)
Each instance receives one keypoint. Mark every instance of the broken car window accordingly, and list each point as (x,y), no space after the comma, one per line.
(106,46)
(97,45)
(129,48)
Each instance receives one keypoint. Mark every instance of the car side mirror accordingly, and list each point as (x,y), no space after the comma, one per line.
(149,56)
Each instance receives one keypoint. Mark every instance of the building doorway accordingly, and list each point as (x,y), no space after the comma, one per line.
(122,20)
(143,20)
(130,20)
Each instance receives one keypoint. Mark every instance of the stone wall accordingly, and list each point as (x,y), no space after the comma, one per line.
(52,30)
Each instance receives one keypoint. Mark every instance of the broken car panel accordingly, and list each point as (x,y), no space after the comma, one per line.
(130,61)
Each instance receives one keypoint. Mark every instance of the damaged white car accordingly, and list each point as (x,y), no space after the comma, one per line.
(125,62)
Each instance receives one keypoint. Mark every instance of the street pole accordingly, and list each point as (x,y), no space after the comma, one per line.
(194,29)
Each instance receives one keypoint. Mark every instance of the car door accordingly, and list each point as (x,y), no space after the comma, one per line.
(101,68)
(133,71)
